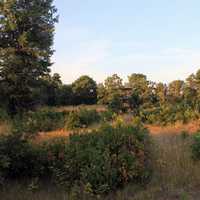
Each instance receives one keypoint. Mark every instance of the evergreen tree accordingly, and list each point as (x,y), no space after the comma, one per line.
(26,38)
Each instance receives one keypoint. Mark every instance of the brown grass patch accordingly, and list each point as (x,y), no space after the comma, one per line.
(42,136)
(4,128)
(177,128)
(98,108)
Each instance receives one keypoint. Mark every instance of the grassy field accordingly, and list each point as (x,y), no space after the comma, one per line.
(175,176)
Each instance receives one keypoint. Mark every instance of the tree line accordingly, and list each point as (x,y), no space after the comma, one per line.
(26,39)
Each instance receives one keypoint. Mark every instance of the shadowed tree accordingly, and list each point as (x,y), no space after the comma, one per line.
(84,90)
(26,39)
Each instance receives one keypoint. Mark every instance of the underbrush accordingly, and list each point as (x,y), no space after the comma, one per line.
(96,162)
(34,122)
(175,175)
(83,118)
(167,114)
(3,115)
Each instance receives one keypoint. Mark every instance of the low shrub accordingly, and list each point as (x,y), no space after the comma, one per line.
(98,162)
(34,122)
(3,115)
(21,159)
(115,103)
(82,118)
(88,117)
(73,121)
(105,159)
(168,114)
(107,116)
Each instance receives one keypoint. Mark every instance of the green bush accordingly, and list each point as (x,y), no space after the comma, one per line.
(21,159)
(115,103)
(98,162)
(88,117)
(167,114)
(107,116)
(3,115)
(82,118)
(73,121)
(105,159)
(196,146)
(34,122)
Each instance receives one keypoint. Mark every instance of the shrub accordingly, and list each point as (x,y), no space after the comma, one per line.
(21,159)
(107,116)
(3,115)
(99,162)
(105,159)
(88,117)
(196,146)
(73,121)
(33,122)
(115,103)
(82,118)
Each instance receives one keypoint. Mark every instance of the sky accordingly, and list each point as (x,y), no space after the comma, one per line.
(159,38)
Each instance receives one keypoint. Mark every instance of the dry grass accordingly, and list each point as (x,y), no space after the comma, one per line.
(177,128)
(52,135)
(175,176)
(98,108)
(4,128)
(42,136)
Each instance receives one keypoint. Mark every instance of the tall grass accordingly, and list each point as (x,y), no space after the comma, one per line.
(176,176)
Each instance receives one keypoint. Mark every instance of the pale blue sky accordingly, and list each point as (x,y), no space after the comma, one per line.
(160,38)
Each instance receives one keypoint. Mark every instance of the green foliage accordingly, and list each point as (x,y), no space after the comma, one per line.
(73,121)
(65,95)
(34,122)
(82,118)
(115,103)
(51,90)
(27,30)
(98,162)
(20,159)
(84,90)
(196,146)
(167,114)
(105,159)
(176,89)
(113,83)
(107,116)
(3,115)
(110,93)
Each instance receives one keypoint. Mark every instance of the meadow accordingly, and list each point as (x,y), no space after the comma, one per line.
(175,174)
(131,139)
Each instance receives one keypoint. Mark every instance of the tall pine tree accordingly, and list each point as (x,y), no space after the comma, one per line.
(26,39)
